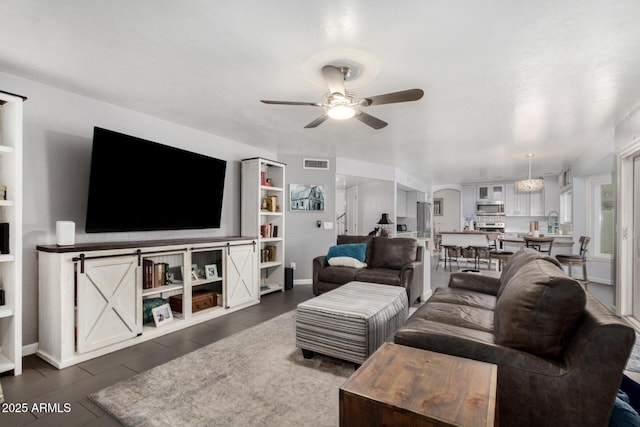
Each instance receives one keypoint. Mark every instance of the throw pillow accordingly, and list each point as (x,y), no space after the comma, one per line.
(351,250)
(345,261)
(539,310)
(148,305)
(393,253)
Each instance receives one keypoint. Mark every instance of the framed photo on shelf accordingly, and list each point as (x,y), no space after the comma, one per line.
(175,274)
(162,314)
(211,271)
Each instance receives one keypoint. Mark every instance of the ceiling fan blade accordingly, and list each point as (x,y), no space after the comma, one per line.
(313,104)
(369,120)
(390,98)
(335,78)
(317,121)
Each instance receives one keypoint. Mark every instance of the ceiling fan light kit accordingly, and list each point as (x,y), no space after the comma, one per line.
(342,105)
(530,185)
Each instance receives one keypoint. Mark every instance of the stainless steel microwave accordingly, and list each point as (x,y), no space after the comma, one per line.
(489,207)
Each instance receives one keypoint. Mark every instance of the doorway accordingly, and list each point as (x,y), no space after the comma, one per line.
(446,210)
(636,237)
(352,212)
(628,230)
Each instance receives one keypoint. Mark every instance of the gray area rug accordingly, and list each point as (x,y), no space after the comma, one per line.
(255,377)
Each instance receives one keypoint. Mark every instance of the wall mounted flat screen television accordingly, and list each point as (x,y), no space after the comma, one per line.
(140,185)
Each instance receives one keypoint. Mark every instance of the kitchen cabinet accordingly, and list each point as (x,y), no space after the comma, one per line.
(490,192)
(468,200)
(551,195)
(523,204)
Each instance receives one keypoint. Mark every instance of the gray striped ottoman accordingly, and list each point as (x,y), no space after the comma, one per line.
(352,321)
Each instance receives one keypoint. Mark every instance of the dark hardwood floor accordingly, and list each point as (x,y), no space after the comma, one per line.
(41,383)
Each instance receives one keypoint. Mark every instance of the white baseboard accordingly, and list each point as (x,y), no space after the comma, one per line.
(29,349)
(303,282)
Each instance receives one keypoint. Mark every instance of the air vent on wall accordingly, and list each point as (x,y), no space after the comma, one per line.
(315,164)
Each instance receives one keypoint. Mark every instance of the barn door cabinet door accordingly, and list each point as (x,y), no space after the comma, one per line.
(110,302)
(242,275)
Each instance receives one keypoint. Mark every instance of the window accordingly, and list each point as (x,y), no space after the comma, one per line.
(602,216)
(565,207)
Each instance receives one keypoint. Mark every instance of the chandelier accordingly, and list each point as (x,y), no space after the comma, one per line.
(529,185)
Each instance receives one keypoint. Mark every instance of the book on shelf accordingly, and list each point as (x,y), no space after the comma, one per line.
(271,253)
(268,230)
(269,204)
(154,275)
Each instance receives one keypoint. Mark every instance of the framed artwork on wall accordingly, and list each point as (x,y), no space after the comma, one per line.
(438,208)
(306,198)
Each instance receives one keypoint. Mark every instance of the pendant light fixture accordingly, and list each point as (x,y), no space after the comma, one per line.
(530,185)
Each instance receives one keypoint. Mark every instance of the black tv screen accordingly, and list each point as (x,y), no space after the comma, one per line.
(140,185)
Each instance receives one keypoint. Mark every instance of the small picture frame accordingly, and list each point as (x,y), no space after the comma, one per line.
(194,276)
(211,271)
(162,315)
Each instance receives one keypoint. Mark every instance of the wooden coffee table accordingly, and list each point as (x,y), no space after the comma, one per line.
(405,386)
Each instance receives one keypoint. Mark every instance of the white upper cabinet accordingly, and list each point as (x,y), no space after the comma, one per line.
(490,192)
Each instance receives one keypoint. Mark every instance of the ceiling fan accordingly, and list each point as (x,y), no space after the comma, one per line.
(341,104)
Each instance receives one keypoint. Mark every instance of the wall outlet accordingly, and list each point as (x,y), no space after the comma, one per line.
(328,225)
(293,265)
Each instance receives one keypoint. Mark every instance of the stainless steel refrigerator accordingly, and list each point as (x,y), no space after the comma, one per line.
(424,219)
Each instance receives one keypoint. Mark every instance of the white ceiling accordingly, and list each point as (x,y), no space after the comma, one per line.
(501,78)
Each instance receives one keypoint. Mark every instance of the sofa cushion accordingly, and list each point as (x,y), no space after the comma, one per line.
(464,316)
(352,250)
(464,297)
(513,264)
(539,309)
(339,275)
(345,261)
(368,240)
(393,253)
(384,276)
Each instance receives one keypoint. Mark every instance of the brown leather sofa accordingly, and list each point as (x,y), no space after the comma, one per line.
(390,261)
(560,352)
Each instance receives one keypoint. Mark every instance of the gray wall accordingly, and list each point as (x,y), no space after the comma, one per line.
(58,130)
(304,240)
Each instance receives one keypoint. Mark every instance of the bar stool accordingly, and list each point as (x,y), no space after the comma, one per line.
(577,259)
(501,256)
(483,253)
(451,252)
(541,244)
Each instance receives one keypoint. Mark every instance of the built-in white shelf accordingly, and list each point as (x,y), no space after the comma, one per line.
(6,203)
(7,258)
(272,287)
(270,264)
(6,364)
(255,172)
(5,149)
(271,239)
(205,281)
(5,311)
(162,289)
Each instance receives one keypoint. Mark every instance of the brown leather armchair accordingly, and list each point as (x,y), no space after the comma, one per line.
(390,261)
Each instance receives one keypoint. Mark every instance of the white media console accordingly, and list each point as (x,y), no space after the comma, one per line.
(91,295)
